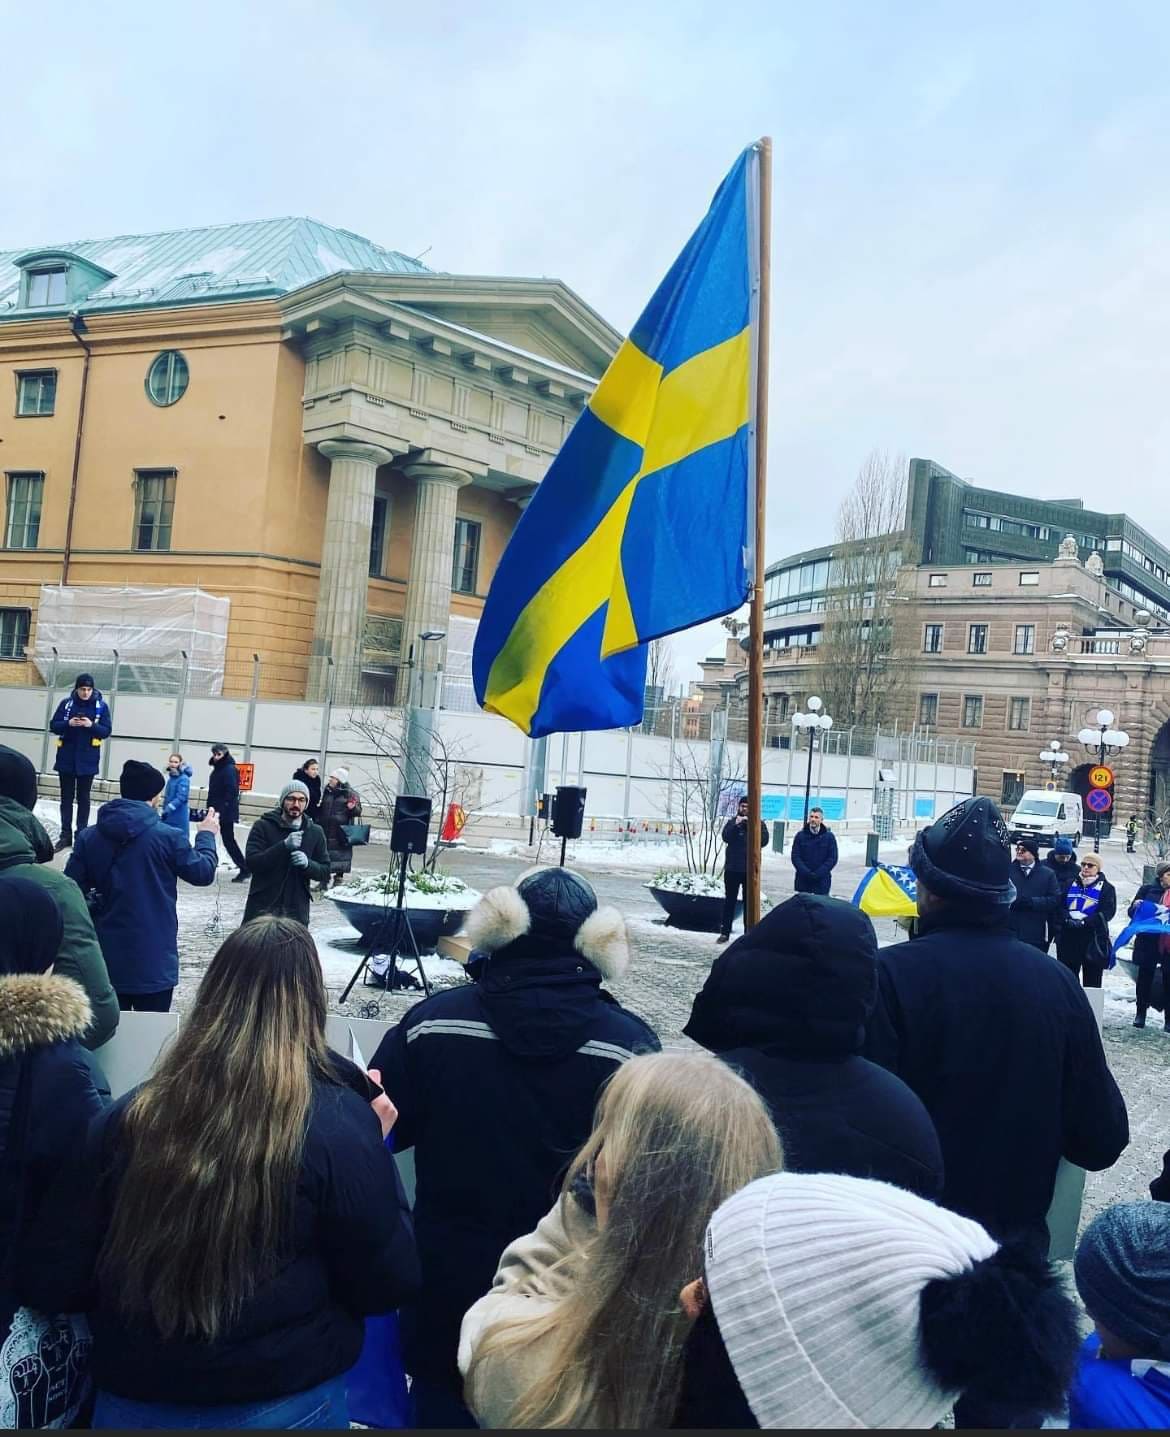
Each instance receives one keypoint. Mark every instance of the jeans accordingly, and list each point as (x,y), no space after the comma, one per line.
(80,784)
(227,831)
(159,1002)
(323,1406)
(732,884)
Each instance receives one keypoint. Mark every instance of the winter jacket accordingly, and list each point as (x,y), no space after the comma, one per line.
(1039,902)
(176,805)
(25,846)
(735,837)
(133,859)
(47,1098)
(1066,874)
(335,811)
(223,790)
(352,1255)
(79,750)
(1116,1394)
(1001,1045)
(1146,952)
(313,784)
(1088,941)
(277,886)
(534,1272)
(786,1006)
(814,856)
(494,1123)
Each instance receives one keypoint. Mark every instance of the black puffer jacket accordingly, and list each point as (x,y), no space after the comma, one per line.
(312,782)
(352,1255)
(1000,1043)
(787,1006)
(223,789)
(495,1084)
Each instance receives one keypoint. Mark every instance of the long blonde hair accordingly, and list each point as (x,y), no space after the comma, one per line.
(214,1138)
(680,1132)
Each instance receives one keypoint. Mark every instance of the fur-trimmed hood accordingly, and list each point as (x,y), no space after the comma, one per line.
(37,1009)
(550,911)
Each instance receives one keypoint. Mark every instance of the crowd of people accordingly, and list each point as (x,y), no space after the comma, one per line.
(828,1212)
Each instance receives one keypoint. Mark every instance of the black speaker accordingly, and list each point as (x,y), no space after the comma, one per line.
(568,812)
(412,820)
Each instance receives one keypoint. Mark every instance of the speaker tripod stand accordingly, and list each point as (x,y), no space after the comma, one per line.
(376,944)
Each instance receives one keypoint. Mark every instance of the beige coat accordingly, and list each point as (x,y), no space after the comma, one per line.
(525,1285)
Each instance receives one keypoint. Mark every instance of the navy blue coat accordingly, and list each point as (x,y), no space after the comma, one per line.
(814,856)
(352,1255)
(176,807)
(79,750)
(1039,906)
(495,1084)
(999,1042)
(134,859)
(223,790)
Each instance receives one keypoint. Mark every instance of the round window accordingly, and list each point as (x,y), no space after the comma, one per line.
(166,379)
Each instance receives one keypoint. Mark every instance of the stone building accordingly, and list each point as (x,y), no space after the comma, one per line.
(334,438)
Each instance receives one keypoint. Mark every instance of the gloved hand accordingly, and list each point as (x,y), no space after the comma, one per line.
(299,859)
(293,840)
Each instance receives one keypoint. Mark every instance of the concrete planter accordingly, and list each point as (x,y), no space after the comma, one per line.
(697,913)
(427,924)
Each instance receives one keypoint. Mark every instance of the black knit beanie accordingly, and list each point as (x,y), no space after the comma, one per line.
(140,781)
(18,778)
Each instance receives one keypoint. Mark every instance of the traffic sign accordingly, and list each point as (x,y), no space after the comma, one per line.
(1100,777)
(1099,800)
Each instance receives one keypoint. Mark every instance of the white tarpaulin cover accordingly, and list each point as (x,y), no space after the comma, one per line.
(151,629)
(458,689)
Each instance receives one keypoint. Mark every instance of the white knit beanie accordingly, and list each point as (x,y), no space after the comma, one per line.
(341,774)
(815,1281)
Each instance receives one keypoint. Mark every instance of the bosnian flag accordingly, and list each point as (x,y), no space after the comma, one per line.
(1149,918)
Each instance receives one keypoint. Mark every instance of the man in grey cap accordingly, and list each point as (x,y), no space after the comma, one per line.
(286,853)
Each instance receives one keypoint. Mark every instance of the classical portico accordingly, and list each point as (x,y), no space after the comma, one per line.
(441,383)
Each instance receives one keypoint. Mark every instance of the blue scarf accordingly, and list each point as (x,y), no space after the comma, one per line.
(1084,901)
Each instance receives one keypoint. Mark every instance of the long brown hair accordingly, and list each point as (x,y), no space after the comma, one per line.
(680,1132)
(215,1137)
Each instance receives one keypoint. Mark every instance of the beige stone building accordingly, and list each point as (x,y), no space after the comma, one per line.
(325,433)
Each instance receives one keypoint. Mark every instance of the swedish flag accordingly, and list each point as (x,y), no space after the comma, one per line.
(640,526)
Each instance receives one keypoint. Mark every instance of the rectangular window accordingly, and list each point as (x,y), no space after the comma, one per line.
(932,638)
(1029,578)
(981,580)
(154,508)
(22,515)
(1012,788)
(378,535)
(976,638)
(36,393)
(1019,715)
(465,564)
(972,710)
(927,710)
(1010,526)
(938,581)
(1025,642)
(14,625)
(46,286)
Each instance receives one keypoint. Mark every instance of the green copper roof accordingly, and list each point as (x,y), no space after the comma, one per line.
(216,263)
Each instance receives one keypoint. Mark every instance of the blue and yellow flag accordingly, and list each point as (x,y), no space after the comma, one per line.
(640,526)
(888,890)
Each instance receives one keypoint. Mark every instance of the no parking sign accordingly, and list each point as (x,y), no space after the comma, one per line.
(1098,800)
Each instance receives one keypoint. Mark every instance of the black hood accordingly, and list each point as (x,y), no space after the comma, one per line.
(541,1010)
(803,981)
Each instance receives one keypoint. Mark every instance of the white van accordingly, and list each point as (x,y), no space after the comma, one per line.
(1047,816)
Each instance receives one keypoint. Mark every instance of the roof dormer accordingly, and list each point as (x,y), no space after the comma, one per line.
(57,278)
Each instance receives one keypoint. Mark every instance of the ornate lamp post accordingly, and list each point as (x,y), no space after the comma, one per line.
(1104,741)
(1053,760)
(815,722)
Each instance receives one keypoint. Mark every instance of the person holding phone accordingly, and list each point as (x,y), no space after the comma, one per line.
(735,836)
(286,853)
(238,1301)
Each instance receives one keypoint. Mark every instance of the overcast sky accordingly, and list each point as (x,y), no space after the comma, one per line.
(971,256)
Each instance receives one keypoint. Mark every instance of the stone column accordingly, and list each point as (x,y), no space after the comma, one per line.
(428,590)
(339,627)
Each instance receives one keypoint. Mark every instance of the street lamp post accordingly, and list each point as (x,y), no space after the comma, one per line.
(1103,741)
(420,721)
(1053,759)
(815,722)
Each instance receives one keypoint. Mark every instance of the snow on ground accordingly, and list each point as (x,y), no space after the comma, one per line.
(652,854)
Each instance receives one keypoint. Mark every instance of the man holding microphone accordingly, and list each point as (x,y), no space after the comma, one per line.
(735,835)
(286,853)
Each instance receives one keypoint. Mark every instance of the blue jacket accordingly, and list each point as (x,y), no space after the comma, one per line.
(176,799)
(79,750)
(1111,1394)
(814,856)
(133,859)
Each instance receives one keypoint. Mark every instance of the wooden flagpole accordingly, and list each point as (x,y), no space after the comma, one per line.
(751,914)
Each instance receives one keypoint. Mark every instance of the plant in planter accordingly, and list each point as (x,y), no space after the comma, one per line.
(437,902)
